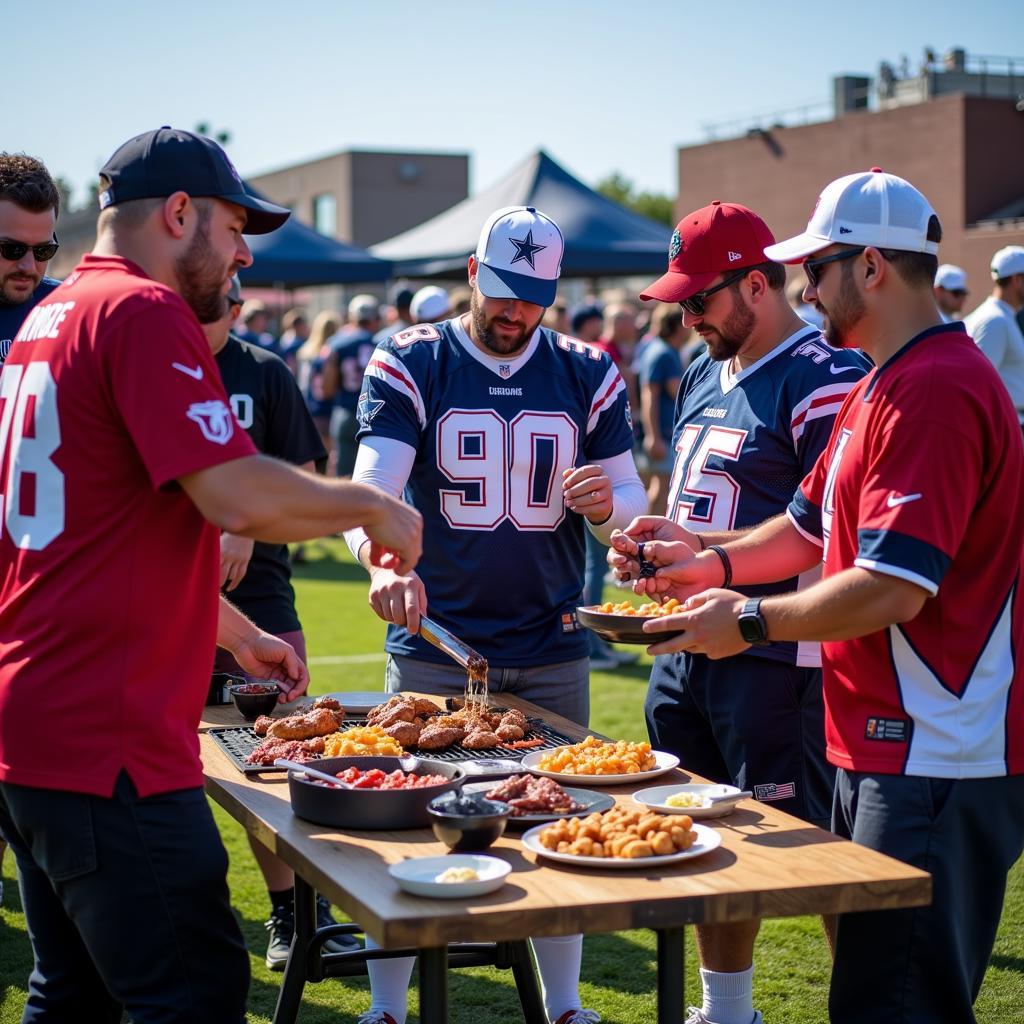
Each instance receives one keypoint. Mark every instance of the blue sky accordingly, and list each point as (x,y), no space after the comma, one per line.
(602,86)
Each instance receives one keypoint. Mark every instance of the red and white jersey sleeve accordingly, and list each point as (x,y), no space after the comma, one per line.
(919,479)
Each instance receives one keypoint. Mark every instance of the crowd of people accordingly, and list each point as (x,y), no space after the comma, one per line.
(821,476)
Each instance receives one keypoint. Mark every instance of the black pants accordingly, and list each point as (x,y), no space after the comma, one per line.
(127,907)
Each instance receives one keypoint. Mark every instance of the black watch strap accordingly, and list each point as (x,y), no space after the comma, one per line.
(753,628)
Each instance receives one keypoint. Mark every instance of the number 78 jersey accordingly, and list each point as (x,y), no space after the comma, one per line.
(503,557)
(744,442)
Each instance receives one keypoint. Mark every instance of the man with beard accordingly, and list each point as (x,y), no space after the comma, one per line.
(752,415)
(122,461)
(512,440)
(911,509)
(29,204)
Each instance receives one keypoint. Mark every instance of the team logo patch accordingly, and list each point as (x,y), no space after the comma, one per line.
(505,370)
(569,623)
(675,247)
(770,791)
(845,231)
(526,249)
(215,420)
(367,408)
(734,256)
(892,730)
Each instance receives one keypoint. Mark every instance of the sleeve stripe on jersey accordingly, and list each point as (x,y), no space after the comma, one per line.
(611,387)
(893,570)
(825,401)
(385,367)
(806,517)
(899,554)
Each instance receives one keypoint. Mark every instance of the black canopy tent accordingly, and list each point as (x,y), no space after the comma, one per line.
(602,238)
(296,256)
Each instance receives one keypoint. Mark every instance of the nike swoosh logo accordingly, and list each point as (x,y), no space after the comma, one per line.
(893,502)
(840,369)
(196,374)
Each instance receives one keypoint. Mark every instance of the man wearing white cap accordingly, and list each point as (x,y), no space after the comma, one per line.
(950,291)
(512,440)
(918,607)
(429,305)
(994,327)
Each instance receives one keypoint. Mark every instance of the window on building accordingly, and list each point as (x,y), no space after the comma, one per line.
(325,213)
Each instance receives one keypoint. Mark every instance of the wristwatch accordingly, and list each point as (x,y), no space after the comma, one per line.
(753,628)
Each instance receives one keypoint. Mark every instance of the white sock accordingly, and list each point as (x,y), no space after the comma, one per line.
(728,997)
(558,963)
(389,984)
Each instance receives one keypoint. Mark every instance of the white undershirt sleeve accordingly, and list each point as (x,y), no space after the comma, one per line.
(629,499)
(385,464)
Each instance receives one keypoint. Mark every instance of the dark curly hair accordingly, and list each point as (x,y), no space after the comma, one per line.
(24,180)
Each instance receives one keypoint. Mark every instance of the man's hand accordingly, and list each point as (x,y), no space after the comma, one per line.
(676,544)
(396,536)
(268,657)
(588,491)
(711,623)
(235,553)
(398,599)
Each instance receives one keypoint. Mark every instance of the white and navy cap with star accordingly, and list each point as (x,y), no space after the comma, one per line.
(869,208)
(519,256)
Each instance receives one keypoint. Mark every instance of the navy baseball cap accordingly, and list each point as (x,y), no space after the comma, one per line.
(169,160)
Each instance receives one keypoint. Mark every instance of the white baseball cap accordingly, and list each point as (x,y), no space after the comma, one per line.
(519,256)
(429,304)
(951,277)
(363,307)
(1008,261)
(869,208)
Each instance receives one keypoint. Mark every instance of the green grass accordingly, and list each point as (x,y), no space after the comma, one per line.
(618,976)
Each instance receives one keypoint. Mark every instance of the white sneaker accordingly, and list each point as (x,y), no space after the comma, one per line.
(696,1016)
(579,1017)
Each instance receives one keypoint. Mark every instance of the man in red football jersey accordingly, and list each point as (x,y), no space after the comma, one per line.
(918,610)
(119,460)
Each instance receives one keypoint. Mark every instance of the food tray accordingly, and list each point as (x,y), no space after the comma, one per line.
(240,741)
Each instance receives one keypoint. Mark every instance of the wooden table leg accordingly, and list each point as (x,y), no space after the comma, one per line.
(671,975)
(433,964)
(295,972)
(526,981)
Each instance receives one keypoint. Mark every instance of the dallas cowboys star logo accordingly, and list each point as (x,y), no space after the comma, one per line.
(526,249)
(368,408)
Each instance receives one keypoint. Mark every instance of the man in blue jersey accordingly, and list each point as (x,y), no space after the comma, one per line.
(29,204)
(512,440)
(752,415)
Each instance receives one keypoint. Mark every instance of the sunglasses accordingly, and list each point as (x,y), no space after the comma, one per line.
(14,251)
(694,305)
(811,267)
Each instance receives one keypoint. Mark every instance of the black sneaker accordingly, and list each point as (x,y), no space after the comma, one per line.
(282,927)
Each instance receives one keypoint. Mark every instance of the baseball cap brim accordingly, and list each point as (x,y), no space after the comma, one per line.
(261,217)
(797,248)
(503,284)
(675,286)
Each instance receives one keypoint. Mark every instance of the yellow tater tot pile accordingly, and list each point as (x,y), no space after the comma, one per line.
(599,757)
(365,740)
(648,610)
(622,833)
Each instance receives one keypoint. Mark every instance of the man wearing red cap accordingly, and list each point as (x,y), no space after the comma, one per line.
(909,509)
(753,414)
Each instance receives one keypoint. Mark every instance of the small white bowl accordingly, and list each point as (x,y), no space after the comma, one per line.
(655,797)
(417,875)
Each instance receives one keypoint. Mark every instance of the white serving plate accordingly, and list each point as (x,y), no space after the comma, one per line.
(664,762)
(655,796)
(707,840)
(416,875)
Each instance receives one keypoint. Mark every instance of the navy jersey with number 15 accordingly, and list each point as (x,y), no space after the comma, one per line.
(744,442)
(502,556)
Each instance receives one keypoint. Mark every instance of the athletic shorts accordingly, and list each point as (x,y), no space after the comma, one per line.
(746,721)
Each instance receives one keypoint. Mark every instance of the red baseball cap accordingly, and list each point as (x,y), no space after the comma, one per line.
(710,241)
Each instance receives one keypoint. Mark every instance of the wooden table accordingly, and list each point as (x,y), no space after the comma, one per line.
(769,865)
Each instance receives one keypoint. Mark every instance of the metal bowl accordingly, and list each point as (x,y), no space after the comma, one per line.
(370,809)
(622,629)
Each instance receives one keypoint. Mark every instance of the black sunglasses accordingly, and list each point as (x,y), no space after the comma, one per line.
(694,305)
(811,266)
(14,251)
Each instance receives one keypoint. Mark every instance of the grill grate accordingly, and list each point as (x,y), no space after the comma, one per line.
(240,741)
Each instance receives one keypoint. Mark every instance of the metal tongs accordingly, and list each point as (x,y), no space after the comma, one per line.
(475,664)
